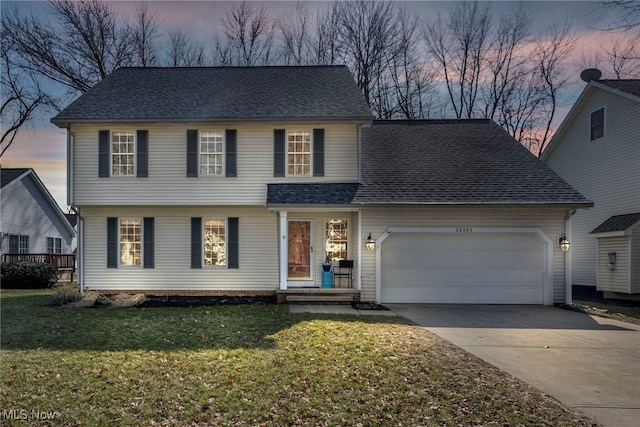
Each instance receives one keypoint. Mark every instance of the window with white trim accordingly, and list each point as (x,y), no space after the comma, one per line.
(54,245)
(211,153)
(597,124)
(215,242)
(337,238)
(298,153)
(123,149)
(130,242)
(18,244)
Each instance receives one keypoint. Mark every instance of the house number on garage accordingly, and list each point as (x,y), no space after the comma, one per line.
(464,230)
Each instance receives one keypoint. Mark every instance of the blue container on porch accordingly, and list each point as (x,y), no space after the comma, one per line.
(327,279)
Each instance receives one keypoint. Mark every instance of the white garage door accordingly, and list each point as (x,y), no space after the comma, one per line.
(462,268)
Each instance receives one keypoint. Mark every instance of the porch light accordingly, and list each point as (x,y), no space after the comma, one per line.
(564,243)
(370,243)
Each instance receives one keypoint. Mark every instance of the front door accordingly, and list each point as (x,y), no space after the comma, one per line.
(299,269)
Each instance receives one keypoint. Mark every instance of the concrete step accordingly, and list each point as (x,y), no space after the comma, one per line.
(336,299)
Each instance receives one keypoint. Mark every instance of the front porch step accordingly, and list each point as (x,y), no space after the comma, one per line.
(318,296)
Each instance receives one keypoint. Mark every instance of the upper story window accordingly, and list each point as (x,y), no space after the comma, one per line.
(211,153)
(215,242)
(130,242)
(597,124)
(54,245)
(299,153)
(123,153)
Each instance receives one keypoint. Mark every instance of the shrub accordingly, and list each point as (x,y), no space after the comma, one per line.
(65,296)
(28,275)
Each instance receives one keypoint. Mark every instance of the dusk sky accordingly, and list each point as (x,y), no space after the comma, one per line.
(42,146)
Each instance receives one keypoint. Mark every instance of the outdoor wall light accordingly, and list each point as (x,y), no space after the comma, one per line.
(612,261)
(564,243)
(370,243)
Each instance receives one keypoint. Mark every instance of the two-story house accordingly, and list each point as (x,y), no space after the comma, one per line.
(243,181)
(597,150)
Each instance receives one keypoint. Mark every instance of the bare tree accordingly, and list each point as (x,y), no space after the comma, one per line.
(460,43)
(627,14)
(85,44)
(295,36)
(182,52)
(20,97)
(551,53)
(145,33)
(368,41)
(324,43)
(248,37)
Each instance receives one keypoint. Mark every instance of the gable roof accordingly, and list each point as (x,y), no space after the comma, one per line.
(9,176)
(618,224)
(443,163)
(138,94)
(311,194)
(455,162)
(629,89)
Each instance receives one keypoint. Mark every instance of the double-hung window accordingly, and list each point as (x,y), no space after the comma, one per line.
(18,244)
(215,242)
(298,153)
(336,239)
(130,242)
(211,153)
(123,153)
(54,245)
(597,124)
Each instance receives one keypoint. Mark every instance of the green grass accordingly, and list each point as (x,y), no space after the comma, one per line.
(247,365)
(630,314)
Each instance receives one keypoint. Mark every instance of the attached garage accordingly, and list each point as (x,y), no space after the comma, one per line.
(463,266)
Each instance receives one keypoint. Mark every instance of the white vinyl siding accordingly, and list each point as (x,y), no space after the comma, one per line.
(605,171)
(616,280)
(377,221)
(635,261)
(167,183)
(25,211)
(258,251)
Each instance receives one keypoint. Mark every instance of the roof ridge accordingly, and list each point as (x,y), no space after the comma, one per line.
(429,121)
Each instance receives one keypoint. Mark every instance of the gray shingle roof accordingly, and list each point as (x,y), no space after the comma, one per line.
(8,175)
(455,162)
(311,193)
(617,223)
(220,93)
(631,86)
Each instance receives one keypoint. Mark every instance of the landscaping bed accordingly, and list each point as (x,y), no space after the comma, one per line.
(252,364)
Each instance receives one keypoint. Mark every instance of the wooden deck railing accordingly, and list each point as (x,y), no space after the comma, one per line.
(63,262)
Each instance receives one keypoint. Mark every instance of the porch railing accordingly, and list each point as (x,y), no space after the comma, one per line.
(63,262)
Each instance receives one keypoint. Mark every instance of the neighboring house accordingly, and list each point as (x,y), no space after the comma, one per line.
(31,221)
(242,181)
(597,151)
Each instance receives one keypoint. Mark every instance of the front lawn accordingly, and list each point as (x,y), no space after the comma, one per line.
(246,365)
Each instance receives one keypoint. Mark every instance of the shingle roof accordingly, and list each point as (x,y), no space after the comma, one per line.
(311,193)
(455,162)
(8,175)
(617,223)
(629,86)
(220,93)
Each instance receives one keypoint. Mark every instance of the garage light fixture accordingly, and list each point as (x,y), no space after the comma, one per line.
(564,243)
(370,243)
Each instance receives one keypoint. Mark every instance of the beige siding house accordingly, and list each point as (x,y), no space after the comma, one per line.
(245,181)
(597,151)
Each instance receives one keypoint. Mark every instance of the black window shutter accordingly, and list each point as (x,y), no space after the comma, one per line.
(148,241)
(279,152)
(196,242)
(192,153)
(318,152)
(112,242)
(142,149)
(232,243)
(103,153)
(230,153)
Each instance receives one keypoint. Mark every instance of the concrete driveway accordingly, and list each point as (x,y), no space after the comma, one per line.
(587,362)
